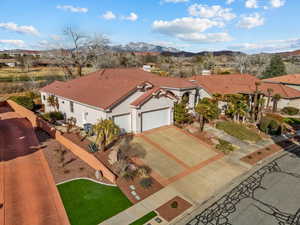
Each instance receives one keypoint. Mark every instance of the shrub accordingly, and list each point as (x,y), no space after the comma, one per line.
(174,205)
(292,121)
(225,146)
(53,116)
(239,131)
(93,147)
(270,125)
(290,111)
(25,101)
(146,182)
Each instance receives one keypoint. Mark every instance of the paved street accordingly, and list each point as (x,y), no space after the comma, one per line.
(269,196)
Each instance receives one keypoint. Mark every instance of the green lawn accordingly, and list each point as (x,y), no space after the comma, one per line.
(144,219)
(90,203)
(239,131)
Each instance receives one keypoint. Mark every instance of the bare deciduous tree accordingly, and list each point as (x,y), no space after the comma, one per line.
(80,50)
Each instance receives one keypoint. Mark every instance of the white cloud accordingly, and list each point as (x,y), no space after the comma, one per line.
(251,21)
(269,46)
(18,43)
(109,15)
(191,29)
(19,29)
(175,1)
(205,38)
(277,3)
(55,37)
(214,12)
(72,8)
(132,17)
(251,3)
(228,2)
(184,25)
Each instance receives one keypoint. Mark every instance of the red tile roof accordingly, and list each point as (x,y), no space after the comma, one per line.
(105,88)
(287,79)
(237,83)
(144,97)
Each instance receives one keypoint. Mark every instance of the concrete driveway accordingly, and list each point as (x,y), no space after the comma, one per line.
(270,195)
(173,154)
(28,194)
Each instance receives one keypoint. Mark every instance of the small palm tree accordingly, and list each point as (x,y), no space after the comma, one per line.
(276,99)
(269,91)
(106,132)
(207,110)
(53,102)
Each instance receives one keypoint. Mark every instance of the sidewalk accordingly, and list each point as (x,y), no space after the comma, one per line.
(147,205)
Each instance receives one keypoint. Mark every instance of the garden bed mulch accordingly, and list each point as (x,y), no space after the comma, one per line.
(143,193)
(63,163)
(263,153)
(167,212)
(78,140)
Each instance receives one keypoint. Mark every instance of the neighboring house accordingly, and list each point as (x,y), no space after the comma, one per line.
(245,84)
(138,101)
(9,62)
(134,99)
(291,80)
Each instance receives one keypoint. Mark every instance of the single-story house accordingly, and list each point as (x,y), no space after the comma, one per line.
(137,100)
(245,84)
(134,99)
(291,80)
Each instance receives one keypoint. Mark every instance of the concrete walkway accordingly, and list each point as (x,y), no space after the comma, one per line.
(144,207)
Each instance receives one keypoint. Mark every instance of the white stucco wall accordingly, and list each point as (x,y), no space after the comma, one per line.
(93,114)
(150,105)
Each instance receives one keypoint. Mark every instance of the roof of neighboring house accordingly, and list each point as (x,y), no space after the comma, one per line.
(286,79)
(241,83)
(8,60)
(105,88)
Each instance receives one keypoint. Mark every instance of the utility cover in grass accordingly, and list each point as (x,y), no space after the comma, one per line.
(90,203)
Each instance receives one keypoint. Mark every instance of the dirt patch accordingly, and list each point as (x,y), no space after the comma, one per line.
(261,154)
(143,193)
(63,163)
(173,208)
(205,137)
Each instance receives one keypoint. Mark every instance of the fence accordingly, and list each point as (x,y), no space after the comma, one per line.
(81,153)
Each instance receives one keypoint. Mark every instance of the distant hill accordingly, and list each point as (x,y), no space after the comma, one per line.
(292,53)
(215,53)
(142,47)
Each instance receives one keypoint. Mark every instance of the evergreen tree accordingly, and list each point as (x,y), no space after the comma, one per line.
(181,113)
(276,67)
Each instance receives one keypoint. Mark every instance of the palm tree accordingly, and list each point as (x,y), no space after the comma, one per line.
(53,102)
(207,110)
(106,132)
(255,104)
(276,99)
(269,91)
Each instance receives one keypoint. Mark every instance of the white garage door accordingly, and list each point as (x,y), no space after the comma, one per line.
(124,122)
(154,119)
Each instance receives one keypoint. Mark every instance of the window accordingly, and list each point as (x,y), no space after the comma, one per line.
(44,97)
(71,106)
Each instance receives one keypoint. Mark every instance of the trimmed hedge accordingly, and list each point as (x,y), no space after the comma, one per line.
(239,131)
(290,111)
(25,101)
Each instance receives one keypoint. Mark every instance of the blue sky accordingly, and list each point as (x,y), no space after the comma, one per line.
(192,25)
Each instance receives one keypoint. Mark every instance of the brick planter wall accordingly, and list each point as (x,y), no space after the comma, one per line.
(81,153)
